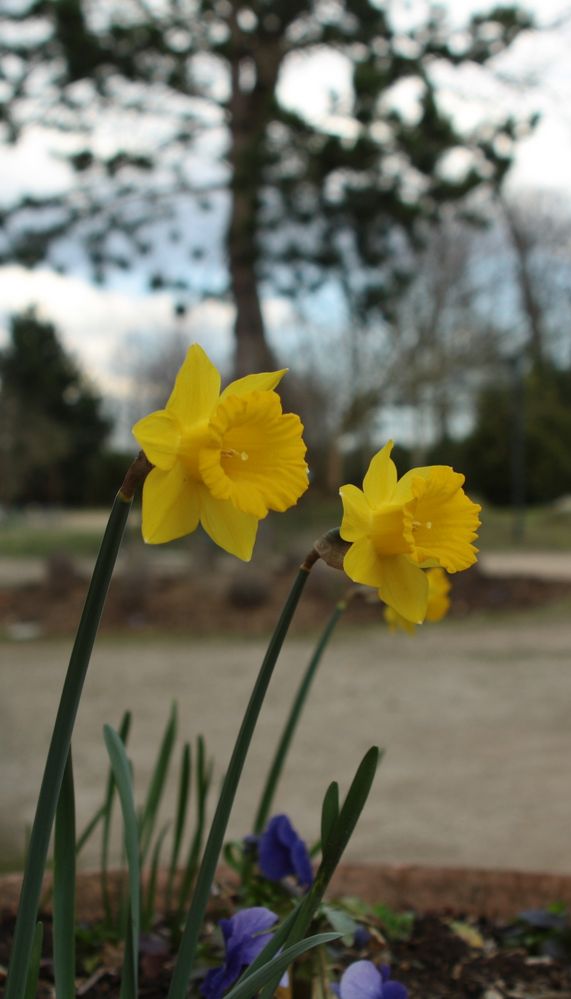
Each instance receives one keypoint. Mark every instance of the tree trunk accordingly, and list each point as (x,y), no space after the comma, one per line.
(254,72)
(531,305)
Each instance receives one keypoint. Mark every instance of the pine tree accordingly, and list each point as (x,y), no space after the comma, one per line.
(305,202)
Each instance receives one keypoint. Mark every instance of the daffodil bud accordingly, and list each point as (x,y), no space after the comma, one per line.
(332,549)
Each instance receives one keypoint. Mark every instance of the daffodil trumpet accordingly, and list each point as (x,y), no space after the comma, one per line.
(221,459)
(396,528)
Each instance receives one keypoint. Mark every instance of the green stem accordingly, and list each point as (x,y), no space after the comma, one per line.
(59,748)
(64,888)
(201,894)
(277,766)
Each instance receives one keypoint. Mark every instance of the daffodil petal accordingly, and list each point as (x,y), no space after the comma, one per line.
(231,529)
(257,455)
(159,436)
(357,514)
(381,478)
(362,564)
(406,489)
(170,505)
(405,588)
(264,381)
(443,521)
(438,590)
(196,388)
(397,622)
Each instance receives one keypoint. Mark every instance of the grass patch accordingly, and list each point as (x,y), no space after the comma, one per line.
(39,534)
(546,528)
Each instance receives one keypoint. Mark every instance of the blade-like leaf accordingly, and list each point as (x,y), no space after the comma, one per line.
(203,781)
(157,784)
(278,762)
(189,941)
(149,907)
(184,789)
(350,811)
(59,748)
(122,774)
(89,829)
(64,888)
(249,985)
(329,812)
(124,729)
(332,852)
(33,975)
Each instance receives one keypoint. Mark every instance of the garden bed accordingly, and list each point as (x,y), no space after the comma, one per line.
(446,933)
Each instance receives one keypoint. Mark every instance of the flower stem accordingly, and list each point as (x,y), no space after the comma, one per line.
(277,766)
(189,941)
(59,747)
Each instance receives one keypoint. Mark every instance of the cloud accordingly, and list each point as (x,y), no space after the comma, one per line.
(95,322)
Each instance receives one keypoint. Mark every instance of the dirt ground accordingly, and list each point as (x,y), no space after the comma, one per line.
(474,715)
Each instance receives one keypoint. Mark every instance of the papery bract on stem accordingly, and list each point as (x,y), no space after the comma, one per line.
(398,527)
(221,459)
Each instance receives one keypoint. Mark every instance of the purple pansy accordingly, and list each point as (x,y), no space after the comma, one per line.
(363,980)
(282,852)
(245,935)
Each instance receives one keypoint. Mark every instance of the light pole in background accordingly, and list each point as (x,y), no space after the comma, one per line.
(516,364)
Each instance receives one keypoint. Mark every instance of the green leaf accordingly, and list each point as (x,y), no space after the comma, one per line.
(89,829)
(282,749)
(350,812)
(122,775)
(59,747)
(250,984)
(64,888)
(203,781)
(332,850)
(341,922)
(329,812)
(149,909)
(157,784)
(124,729)
(189,941)
(35,959)
(184,787)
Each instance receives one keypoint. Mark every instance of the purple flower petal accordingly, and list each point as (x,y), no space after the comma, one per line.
(245,935)
(274,855)
(361,980)
(302,864)
(394,990)
(282,852)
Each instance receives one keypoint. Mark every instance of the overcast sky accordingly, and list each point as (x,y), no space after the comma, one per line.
(95,321)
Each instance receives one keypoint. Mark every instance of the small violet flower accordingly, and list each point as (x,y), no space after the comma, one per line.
(282,852)
(363,980)
(245,936)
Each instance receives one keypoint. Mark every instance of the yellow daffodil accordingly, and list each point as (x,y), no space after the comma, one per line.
(437,607)
(222,460)
(398,527)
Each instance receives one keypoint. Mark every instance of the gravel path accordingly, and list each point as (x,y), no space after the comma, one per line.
(475,719)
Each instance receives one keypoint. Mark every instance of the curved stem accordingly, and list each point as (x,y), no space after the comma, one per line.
(183,967)
(277,766)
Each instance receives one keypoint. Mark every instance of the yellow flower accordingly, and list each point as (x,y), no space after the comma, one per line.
(398,528)
(437,607)
(222,460)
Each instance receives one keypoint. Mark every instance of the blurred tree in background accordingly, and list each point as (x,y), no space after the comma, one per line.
(486,454)
(163,103)
(52,426)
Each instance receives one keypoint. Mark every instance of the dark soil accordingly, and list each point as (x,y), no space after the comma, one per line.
(249,601)
(443,957)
